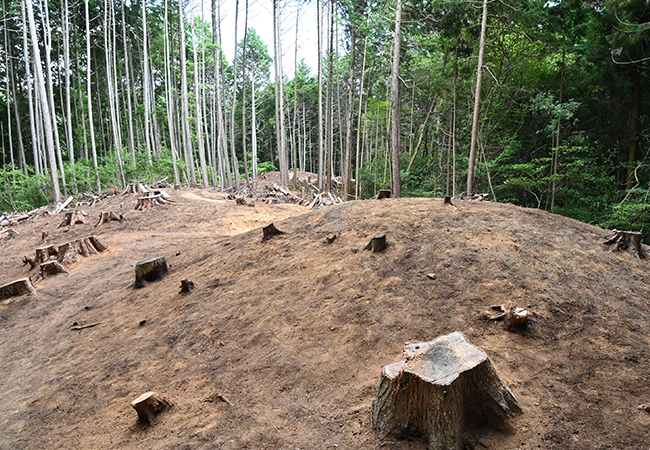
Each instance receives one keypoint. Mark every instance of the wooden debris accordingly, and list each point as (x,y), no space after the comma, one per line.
(150,270)
(217,397)
(270,231)
(51,268)
(135,188)
(439,390)
(107,216)
(151,199)
(44,254)
(72,218)
(383,193)
(645,407)
(324,199)
(515,318)
(330,239)
(44,235)
(377,244)
(242,202)
(475,197)
(9,233)
(499,313)
(447,200)
(66,253)
(17,288)
(62,206)
(28,260)
(83,327)
(627,240)
(160,184)
(187,286)
(148,405)
(431,276)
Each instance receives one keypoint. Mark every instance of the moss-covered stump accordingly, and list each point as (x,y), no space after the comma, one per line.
(150,270)
(439,390)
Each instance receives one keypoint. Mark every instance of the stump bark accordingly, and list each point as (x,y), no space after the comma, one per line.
(46,253)
(51,268)
(149,405)
(383,193)
(187,286)
(627,240)
(377,244)
(439,390)
(17,288)
(107,216)
(66,253)
(270,231)
(150,270)
(135,188)
(72,218)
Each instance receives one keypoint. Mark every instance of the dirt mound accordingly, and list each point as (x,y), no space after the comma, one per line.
(293,331)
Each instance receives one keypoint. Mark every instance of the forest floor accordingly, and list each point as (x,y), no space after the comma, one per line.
(294,332)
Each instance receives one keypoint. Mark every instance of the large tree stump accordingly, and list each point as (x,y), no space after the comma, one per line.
(439,390)
(153,198)
(150,270)
(107,216)
(377,244)
(72,218)
(148,405)
(67,253)
(135,188)
(16,288)
(269,231)
(627,240)
(51,268)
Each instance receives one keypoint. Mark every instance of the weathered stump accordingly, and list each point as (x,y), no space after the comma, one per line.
(330,239)
(269,231)
(377,244)
(515,318)
(187,286)
(447,200)
(150,270)
(44,254)
(148,405)
(51,268)
(383,193)
(135,188)
(439,390)
(72,218)
(153,198)
(29,260)
(107,216)
(627,240)
(16,288)
(67,253)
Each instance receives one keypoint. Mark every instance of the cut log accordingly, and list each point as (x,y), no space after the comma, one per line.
(627,240)
(62,206)
(187,286)
(439,390)
(107,216)
(17,288)
(149,405)
(150,270)
(383,193)
(270,231)
(515,318)
(51,268)
(377,244)
(72,218)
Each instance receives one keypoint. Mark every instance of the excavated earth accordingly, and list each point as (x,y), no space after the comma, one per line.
(281,343)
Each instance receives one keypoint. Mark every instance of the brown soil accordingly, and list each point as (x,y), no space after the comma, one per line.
(294,332)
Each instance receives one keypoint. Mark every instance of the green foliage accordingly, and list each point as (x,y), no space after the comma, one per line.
(21,192)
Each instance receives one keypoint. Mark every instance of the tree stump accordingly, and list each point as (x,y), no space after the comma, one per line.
(627,240)
(439,390)
(135,188)
(51,268)
(187,286)
(67,253)
(330,239)
(72,218)
(447,200)
(44,254)
(150,270)
(270,231)
(151,199)
(16,288)
(148,405)
(515,318)
(383,193)
(107,216)
(377,244)
(28,260)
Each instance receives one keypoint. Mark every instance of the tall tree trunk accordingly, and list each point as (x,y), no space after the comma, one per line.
(243,94)
(127,71)
(30,98)
(197,103)
(146,90)
(477,103)
(93,144)
(279,102)
(632,140)
(396,105)
(171,121)
(329,116)
(253,129)
(346,172)
(557,134)
(358,155)
(222,141)
(319,26)
(295,101)
(233,153)
(112,90)
(8,62)
(45,107)
(187,145)
(68,96)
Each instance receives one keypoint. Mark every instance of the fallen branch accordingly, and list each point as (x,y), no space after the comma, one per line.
(83,327)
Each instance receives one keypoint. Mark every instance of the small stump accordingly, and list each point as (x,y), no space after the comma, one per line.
(627,240)
(515,318)
(17,288)
(72,218)
(383,193)
(187,286)
(330,239)
(153,198)
(447,200)
(51,268)
(440,389)
(377,244)
(270,231)
(150,270)
(149,405)
(107,216)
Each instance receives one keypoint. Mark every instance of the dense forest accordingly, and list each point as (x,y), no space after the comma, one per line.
(537,103)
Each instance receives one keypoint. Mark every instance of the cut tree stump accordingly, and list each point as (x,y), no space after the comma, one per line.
(383,193)
(270,231)
(29,260)
(66,253)
(72,218)
(46,253)
(439,390)
(150,270)
(51,268)
(135,188)
(377,244)
(627,240)
(16,288)
(149,405)
(187,286)
(447,200)
(107,216)
(515,318)
(153,198)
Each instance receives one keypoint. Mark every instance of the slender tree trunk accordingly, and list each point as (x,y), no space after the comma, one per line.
(396,105)
(557,134)
(127,71)
(187,145)
(93,145)
(295,101)
(253,129)
(112,95)
(8,95)
(28,72)
(197,103)
(243,94)
(279,85)
(145,81)
(358,155)
(346,173)
(329,116)
(168,98)
(477,103)
(222,142)
(68,96)
(632,141)
(319,26)
(233,153)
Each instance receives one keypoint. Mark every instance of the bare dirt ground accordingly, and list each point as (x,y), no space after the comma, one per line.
(294,332)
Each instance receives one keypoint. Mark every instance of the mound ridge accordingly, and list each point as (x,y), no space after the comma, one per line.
(294,332)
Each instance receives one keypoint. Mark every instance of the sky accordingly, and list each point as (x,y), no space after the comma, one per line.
(260,17)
